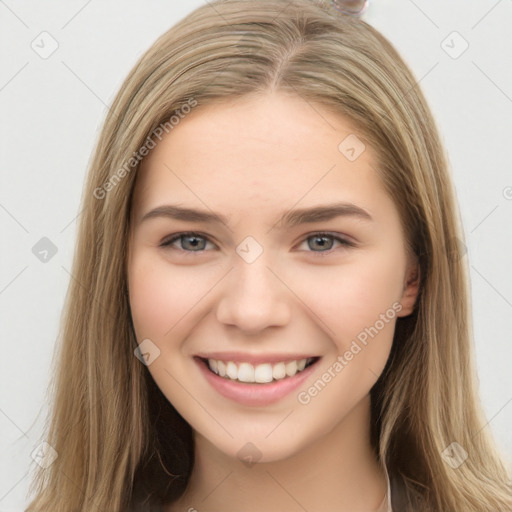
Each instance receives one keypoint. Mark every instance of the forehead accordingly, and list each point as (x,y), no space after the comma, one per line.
(257,152)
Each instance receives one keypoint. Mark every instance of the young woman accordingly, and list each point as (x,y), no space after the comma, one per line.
(270,312)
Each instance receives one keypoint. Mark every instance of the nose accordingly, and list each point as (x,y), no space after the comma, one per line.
(254,298)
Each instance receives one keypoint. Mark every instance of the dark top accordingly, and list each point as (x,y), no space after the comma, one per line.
(403,499)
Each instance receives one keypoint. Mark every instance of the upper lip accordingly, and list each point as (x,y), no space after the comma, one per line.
(254,358)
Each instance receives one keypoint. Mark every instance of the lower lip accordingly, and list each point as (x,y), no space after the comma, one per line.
(254,394)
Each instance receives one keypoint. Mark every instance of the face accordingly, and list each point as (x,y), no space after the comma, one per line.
(293,252)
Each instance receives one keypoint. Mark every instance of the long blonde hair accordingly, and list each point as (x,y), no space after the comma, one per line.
(119,441)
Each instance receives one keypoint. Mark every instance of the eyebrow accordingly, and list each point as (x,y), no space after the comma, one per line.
(289,219)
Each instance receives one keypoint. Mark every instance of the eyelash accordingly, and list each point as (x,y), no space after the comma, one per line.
(168,243)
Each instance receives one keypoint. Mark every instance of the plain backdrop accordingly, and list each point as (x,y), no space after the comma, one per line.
(52,107)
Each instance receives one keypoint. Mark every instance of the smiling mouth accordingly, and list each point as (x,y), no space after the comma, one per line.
(257,374)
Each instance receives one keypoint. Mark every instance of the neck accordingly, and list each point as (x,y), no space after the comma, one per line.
(339,471)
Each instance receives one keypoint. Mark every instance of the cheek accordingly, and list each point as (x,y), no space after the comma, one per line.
(353,298)
(149,298)
(357,304)
(159,295)
(167,300)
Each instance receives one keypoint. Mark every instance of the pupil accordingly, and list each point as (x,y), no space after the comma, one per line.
(325,242)
(195,242)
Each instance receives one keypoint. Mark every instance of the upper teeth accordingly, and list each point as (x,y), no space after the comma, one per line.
(246,372)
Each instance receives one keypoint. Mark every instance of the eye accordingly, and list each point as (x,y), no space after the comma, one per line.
(189,242)
(196,242)
(324,242)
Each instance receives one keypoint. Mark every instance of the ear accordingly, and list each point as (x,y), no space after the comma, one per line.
(411,289)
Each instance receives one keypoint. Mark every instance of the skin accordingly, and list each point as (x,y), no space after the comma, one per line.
(253,160)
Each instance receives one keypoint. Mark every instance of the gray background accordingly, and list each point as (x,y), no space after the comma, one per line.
(52,109)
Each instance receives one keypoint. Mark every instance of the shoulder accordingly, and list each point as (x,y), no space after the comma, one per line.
(145,507)
(404,498)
